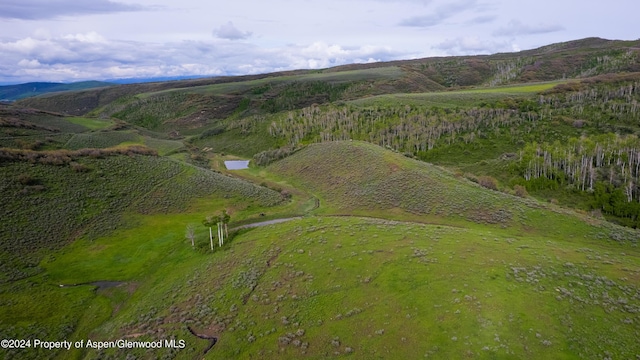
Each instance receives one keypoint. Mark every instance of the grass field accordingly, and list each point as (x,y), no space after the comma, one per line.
(370,288)
(90,123)
(457,98)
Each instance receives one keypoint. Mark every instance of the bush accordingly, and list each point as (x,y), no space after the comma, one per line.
(488,182)
(520,191)
(79,167)
(26,179)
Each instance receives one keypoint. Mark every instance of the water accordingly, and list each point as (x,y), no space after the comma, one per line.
(236,164)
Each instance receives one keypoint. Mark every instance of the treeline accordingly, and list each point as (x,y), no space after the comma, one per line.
(415,129)
(606,165)
(62,157)
(408,129)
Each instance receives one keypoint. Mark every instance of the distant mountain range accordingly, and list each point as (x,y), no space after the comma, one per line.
(13,92)
(21,91)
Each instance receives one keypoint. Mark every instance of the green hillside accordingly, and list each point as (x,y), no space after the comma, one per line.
(100,188)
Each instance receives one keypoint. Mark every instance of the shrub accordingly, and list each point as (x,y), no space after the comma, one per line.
(520,191)
(488,182)
(26,179)
(79,167)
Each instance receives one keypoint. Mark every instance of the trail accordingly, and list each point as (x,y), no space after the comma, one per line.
(276,221)
(265,223)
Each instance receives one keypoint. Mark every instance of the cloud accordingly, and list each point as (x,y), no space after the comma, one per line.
(90,56)
(440,14)
(49,9)
(472,46)
(515,27)
(230,32)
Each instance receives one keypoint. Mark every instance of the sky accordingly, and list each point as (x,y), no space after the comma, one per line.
(77,40)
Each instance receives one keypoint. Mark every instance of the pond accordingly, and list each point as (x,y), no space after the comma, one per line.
(236,164)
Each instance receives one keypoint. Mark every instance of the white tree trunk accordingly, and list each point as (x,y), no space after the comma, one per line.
(211,237)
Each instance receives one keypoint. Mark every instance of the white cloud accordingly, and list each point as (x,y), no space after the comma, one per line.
(29,64)
(90,37)
(230,32)
(92,56)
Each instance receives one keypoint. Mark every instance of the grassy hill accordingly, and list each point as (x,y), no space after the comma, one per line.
(99,189)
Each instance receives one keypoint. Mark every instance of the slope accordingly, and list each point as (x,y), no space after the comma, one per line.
(100,188)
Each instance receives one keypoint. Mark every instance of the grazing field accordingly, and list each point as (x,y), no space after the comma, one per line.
(349,286)
(90,123)
(458,98)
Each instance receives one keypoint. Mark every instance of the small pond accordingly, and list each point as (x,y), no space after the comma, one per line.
(236,164)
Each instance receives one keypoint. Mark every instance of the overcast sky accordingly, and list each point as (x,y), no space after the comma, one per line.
(74,40)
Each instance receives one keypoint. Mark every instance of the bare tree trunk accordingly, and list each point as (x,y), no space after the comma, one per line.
(211,238)
(190,234)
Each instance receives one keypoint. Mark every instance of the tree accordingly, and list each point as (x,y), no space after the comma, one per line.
(223,231)
(225,220)
(209,222)
(191,234)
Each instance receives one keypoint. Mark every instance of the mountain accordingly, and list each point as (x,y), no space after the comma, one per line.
(22,91)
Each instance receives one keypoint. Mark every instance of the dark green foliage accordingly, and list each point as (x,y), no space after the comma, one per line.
(152,112)
(300,94)
(63,157)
